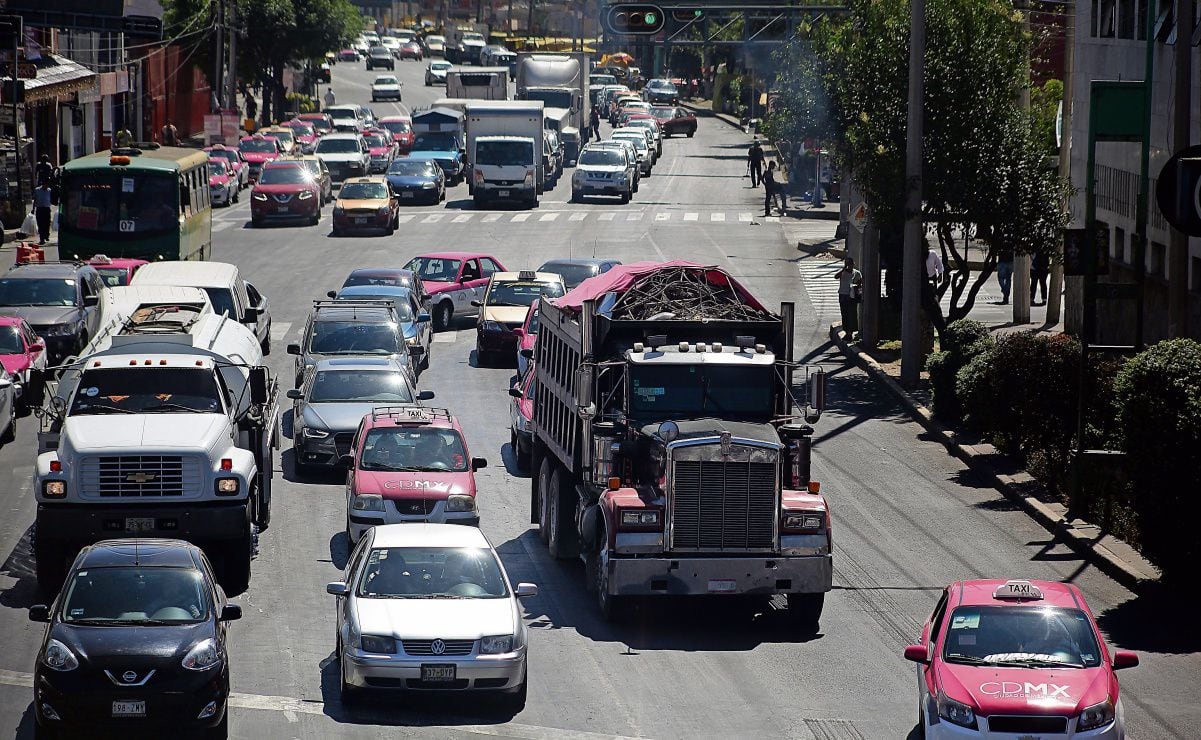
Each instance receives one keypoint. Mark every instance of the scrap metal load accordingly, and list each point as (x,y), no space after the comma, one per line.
(684,292)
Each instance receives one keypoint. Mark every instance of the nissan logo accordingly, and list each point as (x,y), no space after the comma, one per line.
(129,677)
(437,647)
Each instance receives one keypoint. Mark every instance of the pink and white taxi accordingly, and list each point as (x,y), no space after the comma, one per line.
(410,464)
(1017,659)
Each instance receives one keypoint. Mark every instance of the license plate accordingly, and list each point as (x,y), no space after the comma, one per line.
(282,209)
(360,219)
(139,524)
(406,195)
(129,709)
(438,672)
(722,586)
(503,194)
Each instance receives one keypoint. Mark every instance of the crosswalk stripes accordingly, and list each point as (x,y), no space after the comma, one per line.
(519,217)
(606,216)
(817,273)
(548,217)
(462,218)
(691,216)
(489,218)
(578,216)
(433,218)
(717,217)
(662,216)
(404,218)
(744,218)
(802,229)
(633,217)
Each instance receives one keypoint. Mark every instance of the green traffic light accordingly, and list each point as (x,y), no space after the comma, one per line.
(650,19)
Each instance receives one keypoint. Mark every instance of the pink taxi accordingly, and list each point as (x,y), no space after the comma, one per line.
(521,416)
(258,150)
(527,334)
(410,464)
(237,164)
(454,280)
(1017,659)
(23,355)
(116,271)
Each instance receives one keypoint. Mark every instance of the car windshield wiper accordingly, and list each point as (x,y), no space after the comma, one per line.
(1037,663)
(967,659)
(174,406)
(443,596)
(101,408)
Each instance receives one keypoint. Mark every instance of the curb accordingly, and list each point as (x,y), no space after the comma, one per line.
(1082,538)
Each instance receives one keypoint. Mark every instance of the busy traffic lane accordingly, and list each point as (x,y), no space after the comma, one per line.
(907,517)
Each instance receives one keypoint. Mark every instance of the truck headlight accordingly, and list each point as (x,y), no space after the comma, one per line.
(227,486)
(496,644)
(54,488)
(460,503)
(367,502)
(802,521)
(640,518)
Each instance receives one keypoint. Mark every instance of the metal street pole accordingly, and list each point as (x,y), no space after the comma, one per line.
(218,54)
(1181,138)
(912,267)
(1055,297)
(1020,288)
(232,93)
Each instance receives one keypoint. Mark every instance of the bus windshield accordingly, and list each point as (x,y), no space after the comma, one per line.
(120,202)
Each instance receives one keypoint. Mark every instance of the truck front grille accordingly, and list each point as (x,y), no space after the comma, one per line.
(722,506)
(140,476)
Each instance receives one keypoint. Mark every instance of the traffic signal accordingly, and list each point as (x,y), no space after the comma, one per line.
(635,19)
(686,15)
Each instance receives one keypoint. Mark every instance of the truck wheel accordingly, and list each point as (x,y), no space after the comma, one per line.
(564,540)
(545,474)
(51,568)
(805,610)
(443,314)
(612,608)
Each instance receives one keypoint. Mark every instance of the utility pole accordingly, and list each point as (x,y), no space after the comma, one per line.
(913,269)
(529,26)
(1055,297)
(1020,292)
(1181,138)
(218,53)
(231,95)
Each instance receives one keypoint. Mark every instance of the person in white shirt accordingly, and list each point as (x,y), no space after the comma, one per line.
(933,274)
(329,97)
(850,283)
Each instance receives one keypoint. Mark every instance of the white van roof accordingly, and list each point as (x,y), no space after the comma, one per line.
(189,274)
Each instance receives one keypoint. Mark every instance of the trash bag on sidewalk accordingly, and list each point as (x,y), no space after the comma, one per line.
(29,226)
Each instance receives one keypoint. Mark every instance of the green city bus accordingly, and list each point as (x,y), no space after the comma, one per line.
(146,202)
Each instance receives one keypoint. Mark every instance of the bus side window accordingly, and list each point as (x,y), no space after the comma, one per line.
(185,197)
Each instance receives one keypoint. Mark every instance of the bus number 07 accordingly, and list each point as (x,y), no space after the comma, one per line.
(126,225)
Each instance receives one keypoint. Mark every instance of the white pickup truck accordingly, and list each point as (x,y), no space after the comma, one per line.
(165,428)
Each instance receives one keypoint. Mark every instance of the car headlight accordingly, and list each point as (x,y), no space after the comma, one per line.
(1095,716)
(955,712)
(306,194)
(578,176)
(460,503)
(367,502)
(60,330)
(428,185)
(383,210)
(202,656)
(59,657)
(313,433)
(259,196)
(492,326)
(496,644)
(378,644)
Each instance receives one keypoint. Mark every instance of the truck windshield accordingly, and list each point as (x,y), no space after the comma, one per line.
(552,98)
(690,391)
(504,153)
(145,390)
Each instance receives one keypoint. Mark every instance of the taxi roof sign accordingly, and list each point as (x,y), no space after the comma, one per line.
(410,414)
(526,275)
(1018,590)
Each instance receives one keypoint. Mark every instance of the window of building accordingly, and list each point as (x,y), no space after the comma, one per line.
(1104,18)
(1117,249)
(1157,260)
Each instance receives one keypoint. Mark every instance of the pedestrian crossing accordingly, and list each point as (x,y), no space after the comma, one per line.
(817,274)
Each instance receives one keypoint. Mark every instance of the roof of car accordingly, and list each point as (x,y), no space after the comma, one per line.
(428,535)
(46,269)
(383,364)
(341,135)
(982,593)
(356,290)
(380,271)
(153,553)
(592,261)
(187,273)
(11,320)
(366,179)
(455,255)
(394,119)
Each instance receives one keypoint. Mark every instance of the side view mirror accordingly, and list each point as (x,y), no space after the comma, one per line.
(293,349)
(347,459)
(477,304)
(416,351)
(5,382)
(331,294)
(250,315)
(1121,658)
(527,353)
(817,395)
(337,588)
(39,613)
(519,332)
(423,316)
(583,386)
(37,346)
(91,300)
(231,613)
(515,392)
(259,387)
(294,394)
(525,590)
(478,463)
(917,654)
(425,395)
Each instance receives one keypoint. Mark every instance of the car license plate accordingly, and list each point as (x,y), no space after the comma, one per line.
(282,209)
(360,219)
(722,586)
(406,194)
(502,194)
(438,672)
(129,709)
(139,524)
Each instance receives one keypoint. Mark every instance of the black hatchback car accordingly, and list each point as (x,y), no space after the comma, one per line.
(60,300)
(135,643)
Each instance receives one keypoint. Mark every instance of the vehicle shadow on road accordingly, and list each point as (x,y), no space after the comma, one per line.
(508,456)
(1127,624)
(20,565)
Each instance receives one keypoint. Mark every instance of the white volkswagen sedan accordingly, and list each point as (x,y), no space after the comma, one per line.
(430,607)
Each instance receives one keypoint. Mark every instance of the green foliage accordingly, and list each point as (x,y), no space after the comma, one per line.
(1044,108)
(1159,400)
(963,341)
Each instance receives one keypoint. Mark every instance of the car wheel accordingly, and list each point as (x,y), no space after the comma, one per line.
(350,695)
(42,732)
(575,196)
(690,133)
(625,197)
(443,315)
(10,432)
(514,701)
(256,222)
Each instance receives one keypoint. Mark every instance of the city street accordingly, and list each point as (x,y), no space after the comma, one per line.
(907,517)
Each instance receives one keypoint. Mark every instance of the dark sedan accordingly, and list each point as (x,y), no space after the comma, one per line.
(576,271)
(136,643)
(417,180)
(673,120)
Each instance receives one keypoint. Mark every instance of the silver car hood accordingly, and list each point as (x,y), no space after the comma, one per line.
(339,417)
(426,619)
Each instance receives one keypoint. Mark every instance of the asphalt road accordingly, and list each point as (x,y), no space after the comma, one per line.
(908,517)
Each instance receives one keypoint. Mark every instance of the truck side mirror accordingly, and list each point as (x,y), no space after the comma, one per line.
(331,294)
(293,349)
(582,388)
(817,395)
(294,394)
(259,385)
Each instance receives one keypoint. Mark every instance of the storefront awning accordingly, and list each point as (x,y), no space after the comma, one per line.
(57,77)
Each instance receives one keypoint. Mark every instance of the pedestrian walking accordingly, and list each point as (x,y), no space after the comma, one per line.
(329,96)
(1005,274)
(850,288)
(123,138)
(770,187)
(933,273)
(170,134)
(44,170)
(41,210)
(1040,265)
(252,108)
(754,159)
(594,121)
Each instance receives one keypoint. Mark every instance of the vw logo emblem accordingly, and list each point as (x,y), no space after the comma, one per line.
(129,677)
(437,647)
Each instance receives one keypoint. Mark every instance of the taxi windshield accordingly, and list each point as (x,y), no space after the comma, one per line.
(435,269)
(258,145)
(357,386)
(414,448)
(301,129)
(432,573)
(113,276)
(218,167)
(522,293)
(134,595)
(1024,636)
(364,191)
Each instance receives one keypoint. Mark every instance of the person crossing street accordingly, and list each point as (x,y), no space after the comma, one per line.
(754,157)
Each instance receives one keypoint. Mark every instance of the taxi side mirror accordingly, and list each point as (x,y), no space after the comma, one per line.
(515,392)
(917,654)
(1124,659)
(331,294)
(294,394)
(337,588)
(478,463)
(347,459)
(425,395)
(519,332)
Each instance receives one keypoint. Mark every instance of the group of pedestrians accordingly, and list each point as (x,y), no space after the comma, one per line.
(1040,268)
(774,189)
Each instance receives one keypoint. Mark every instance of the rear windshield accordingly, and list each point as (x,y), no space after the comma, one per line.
(398,127)
(338,146)
(413,169)
(358,386)
(258,145)
(354,338)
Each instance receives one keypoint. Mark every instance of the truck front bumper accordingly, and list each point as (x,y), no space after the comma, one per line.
(492,191)
(692,576)
(199,522)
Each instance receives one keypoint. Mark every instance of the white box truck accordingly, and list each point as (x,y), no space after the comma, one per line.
(559,81)
(504,150)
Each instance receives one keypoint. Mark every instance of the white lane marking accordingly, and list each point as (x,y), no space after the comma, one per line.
(433,218)
(222,225)
(744,218)
(578,216)
(446,337)
(462,218)
(633,217)
(404,218)
(490,218)
(662,216)
(606,216)
(691,216)
(548,217)
(717,217)
(519,217)
(280,329)
(554,202)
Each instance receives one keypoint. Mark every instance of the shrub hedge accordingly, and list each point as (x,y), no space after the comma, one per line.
(964,340)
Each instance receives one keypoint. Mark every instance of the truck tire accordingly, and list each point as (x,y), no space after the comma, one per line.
(51,568)
(612,608)
(805,610)
(564,540)
(545,474)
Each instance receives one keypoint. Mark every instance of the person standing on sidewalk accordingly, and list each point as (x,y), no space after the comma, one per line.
(850,285)
(933,275)
(329,97)
(1039,267)
(41,210)
(754,159)
(1005,274)
(44,170)
(769,188)
(170,134)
